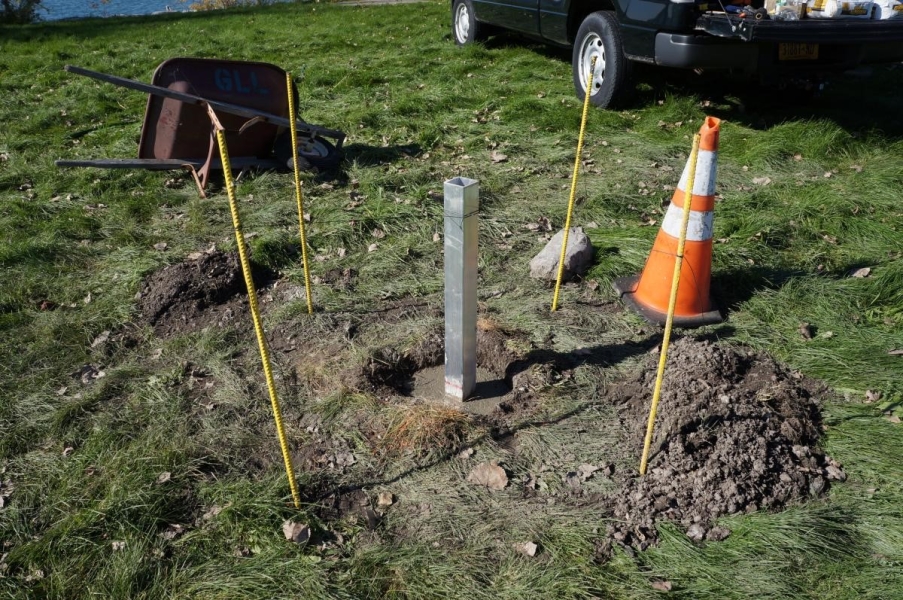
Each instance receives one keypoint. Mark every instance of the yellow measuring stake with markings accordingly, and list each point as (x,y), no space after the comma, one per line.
(672,302)
(567,223)
(299,199)
(252,302)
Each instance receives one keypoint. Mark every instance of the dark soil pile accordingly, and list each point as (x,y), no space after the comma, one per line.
(193,294)
(736,432)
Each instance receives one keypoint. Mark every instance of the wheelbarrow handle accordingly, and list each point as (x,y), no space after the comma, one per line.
(234,109)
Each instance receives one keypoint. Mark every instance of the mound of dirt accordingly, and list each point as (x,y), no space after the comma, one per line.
(193,294)
(736,432)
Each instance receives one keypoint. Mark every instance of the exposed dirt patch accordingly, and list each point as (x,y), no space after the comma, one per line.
(194,294)
(736,432)
(504,359)
(388,370)
(340,279)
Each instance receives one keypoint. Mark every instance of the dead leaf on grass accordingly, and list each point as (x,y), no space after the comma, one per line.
(296,532)
(872,396)
(372,247)
(527,548)
(497,157)
(89,373)
(661,585)
(586,471)
(896,352)
(172,532)
(161,246)
(385,499)
(860,272)
(212,512)
(164,477)
(893,418)
(437,237)
(806,331)
(118,545)
(466,453)
(345,459)
(100,339)
(490,475)
(761,180)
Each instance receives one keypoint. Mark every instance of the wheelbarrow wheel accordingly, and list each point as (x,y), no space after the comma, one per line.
(318,153)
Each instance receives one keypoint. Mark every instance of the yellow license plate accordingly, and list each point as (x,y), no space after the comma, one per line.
(797,51)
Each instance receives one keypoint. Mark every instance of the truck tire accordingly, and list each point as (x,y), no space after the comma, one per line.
(600,36)
(465,27)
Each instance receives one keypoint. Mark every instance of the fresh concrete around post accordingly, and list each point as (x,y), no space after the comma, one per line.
(462,201)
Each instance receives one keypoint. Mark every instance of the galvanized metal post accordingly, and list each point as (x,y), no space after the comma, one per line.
(462,201)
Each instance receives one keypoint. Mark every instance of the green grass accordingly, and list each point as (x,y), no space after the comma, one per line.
(85,462)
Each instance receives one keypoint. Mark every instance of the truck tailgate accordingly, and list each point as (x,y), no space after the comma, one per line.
(826,31)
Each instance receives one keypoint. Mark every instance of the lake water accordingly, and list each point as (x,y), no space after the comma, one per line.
(54,10)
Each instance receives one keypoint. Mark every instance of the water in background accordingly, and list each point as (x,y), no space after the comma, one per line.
(54,10)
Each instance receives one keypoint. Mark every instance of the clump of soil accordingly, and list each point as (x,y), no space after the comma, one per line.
(193,294)
(736,432)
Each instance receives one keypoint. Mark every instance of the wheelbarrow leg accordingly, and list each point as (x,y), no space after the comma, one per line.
(197,180)
(204,171)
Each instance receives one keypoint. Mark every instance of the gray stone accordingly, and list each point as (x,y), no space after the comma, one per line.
(577,257)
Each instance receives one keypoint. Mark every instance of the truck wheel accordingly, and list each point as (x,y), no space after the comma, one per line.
(465,27)
(600,36)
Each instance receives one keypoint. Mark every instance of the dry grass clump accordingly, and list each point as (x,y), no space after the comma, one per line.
(423,430)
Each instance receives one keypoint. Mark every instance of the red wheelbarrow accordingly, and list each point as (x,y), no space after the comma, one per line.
(250,99)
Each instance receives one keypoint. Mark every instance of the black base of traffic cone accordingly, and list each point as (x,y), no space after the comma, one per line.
(626,286)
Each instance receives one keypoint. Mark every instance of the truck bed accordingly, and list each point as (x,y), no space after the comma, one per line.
(810,31)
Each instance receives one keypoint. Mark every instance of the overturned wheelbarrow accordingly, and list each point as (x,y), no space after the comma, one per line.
(250,99)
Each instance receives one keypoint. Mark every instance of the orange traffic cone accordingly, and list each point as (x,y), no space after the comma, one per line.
(649,292)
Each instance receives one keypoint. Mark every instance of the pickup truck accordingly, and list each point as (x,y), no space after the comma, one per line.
(683,34)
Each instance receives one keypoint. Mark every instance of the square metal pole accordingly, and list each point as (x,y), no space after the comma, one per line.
(462,201)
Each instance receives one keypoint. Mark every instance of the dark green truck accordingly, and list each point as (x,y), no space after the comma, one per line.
(680,33)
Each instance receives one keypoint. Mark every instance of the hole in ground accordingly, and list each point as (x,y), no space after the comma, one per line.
(420,372)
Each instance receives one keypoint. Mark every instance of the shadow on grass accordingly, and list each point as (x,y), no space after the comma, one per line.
(373,156)
(731,289)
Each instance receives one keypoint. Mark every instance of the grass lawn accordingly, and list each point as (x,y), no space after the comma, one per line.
(137,464)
